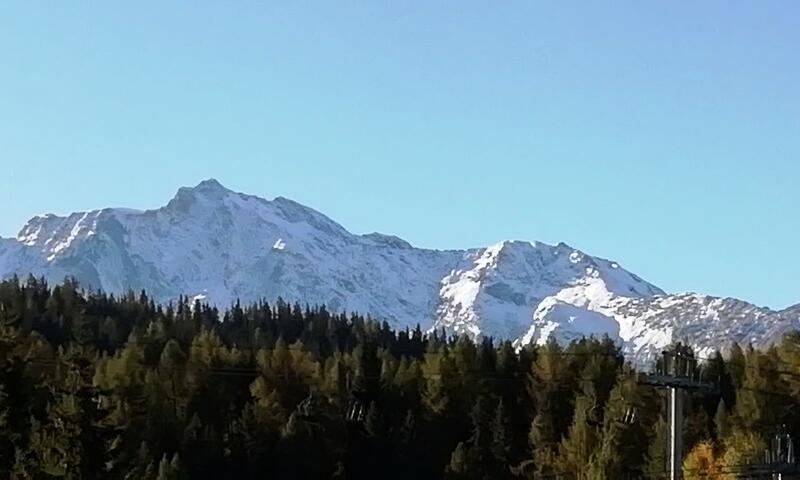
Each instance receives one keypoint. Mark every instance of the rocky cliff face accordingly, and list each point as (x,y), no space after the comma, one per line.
(212,242)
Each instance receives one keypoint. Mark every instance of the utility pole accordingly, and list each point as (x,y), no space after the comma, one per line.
(675,433)
(678,373)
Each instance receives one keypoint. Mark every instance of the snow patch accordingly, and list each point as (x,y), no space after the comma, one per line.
(29,238)
(211,240)
(279,244)
(64,244)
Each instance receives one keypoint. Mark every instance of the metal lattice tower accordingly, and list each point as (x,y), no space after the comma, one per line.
(678,372)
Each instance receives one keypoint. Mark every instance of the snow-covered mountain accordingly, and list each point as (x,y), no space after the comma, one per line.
(221,245)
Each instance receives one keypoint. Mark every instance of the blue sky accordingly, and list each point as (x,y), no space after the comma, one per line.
(664,135)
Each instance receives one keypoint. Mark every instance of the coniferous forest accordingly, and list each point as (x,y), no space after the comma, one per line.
(98,386)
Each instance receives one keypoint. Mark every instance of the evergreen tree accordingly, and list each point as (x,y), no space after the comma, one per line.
(502,437)
(657,463)
(581,442)
(623,447)
(461,464)
(102,386)
(752,409)
(721,422)
(548,385)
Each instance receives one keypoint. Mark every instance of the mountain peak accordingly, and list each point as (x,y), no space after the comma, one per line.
(226,245)
(210,187)
(210,184)
(206,190)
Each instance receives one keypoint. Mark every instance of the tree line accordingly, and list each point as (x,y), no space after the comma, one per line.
(94,385)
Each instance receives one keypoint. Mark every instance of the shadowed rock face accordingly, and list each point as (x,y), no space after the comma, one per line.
(225,245)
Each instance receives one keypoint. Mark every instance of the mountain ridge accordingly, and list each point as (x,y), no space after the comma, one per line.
(219,244)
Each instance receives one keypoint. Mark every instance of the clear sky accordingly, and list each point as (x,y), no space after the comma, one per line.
(664,135)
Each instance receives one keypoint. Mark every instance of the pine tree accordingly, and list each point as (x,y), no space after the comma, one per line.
(623,447)
(460,465)
(657,449)
(164,469)
(549,385)
(408,435)
(542,438)
(6,435)
(581,442)
(439,373)
(373,422)
(736,365)
(752,409)
(721,423)
(502,436)
(190,396)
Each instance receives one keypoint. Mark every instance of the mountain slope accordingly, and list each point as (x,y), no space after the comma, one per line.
(502,286)
(222,245)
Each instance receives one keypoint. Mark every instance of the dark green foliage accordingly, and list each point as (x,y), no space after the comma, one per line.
(97,386)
